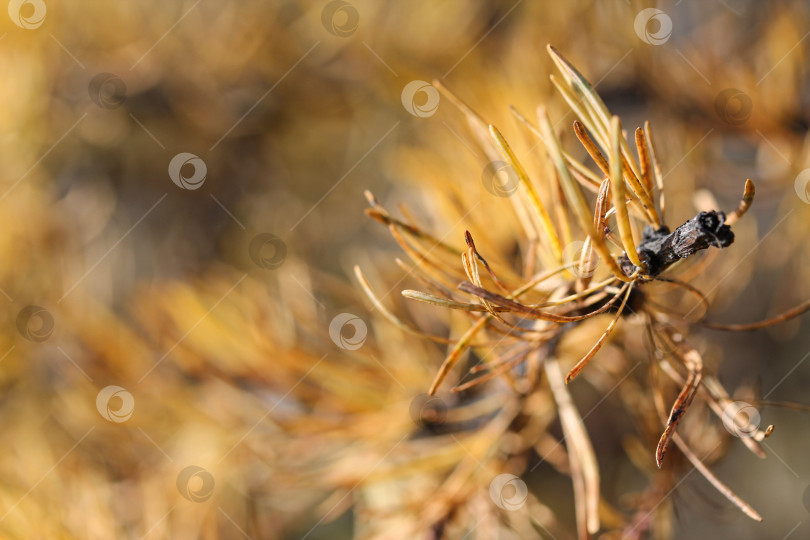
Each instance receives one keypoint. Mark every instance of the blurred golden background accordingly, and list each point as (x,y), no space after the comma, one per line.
(201,288)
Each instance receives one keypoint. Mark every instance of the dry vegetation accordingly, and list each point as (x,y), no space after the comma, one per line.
(242,409)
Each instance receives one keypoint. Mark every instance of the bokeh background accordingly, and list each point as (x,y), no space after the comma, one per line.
(202,289)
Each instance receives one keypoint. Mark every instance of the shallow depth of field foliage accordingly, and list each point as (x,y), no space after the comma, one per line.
(239,409)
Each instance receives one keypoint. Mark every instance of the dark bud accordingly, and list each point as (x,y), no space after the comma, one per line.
(660,249)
